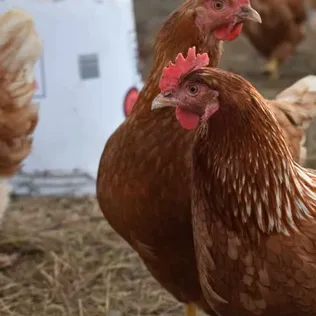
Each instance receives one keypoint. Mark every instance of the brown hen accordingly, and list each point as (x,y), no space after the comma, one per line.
(20,48)
(282,29)
(253,206)
(138,186)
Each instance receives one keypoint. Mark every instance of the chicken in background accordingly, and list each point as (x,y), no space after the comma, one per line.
(20,48)
(295,109)
(253,207)
(281,30)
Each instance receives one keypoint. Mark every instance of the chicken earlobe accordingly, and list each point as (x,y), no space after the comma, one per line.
(20,48)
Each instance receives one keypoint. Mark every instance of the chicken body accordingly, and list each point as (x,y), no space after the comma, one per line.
(20,48)
(253,207)
(246,274)
(282,29)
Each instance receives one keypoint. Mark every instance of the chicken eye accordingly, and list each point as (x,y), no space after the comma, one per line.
(218,5)
(193,89)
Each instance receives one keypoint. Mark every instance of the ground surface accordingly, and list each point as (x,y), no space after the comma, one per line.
(60,256)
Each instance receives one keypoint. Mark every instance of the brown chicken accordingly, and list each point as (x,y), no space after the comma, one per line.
(282,29)
(20,48)
(137,186)
(253,206)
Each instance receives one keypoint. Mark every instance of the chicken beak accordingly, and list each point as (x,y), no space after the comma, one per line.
(162,101)
(248,13)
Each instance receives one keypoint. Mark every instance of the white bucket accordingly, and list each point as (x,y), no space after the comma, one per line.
(88,66)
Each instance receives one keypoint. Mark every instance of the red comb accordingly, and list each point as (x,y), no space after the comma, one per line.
(172,73)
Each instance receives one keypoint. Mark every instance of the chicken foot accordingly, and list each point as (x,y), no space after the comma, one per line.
(271,68)
(190,310)
(280,54)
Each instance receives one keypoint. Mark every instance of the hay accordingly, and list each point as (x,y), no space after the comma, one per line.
(59,257)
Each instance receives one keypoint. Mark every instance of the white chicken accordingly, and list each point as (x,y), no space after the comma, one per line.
(295,108)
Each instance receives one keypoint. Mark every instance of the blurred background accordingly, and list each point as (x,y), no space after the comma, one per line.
(58,255)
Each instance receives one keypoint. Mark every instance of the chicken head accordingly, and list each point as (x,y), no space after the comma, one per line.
(225,17)
(193,100)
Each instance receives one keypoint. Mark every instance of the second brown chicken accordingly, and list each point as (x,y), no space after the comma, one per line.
(282,29)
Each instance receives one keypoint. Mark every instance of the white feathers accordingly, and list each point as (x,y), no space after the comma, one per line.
(20,45)
(20,48)
(300,91)
(300,100)
(295,108)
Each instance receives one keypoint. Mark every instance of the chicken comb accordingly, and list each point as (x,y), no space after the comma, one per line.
(173,72)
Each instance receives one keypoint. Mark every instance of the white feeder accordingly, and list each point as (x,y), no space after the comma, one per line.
(88,66)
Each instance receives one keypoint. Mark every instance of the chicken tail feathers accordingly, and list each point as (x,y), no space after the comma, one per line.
(295,108)
(302,96)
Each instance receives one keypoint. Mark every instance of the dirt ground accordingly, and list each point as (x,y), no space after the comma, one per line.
(59,257)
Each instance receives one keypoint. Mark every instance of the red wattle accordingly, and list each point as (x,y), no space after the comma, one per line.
(225,33)
(235,33)
(187,119)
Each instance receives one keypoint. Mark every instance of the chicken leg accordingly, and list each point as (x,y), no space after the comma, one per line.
(272,69)
(190,310)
